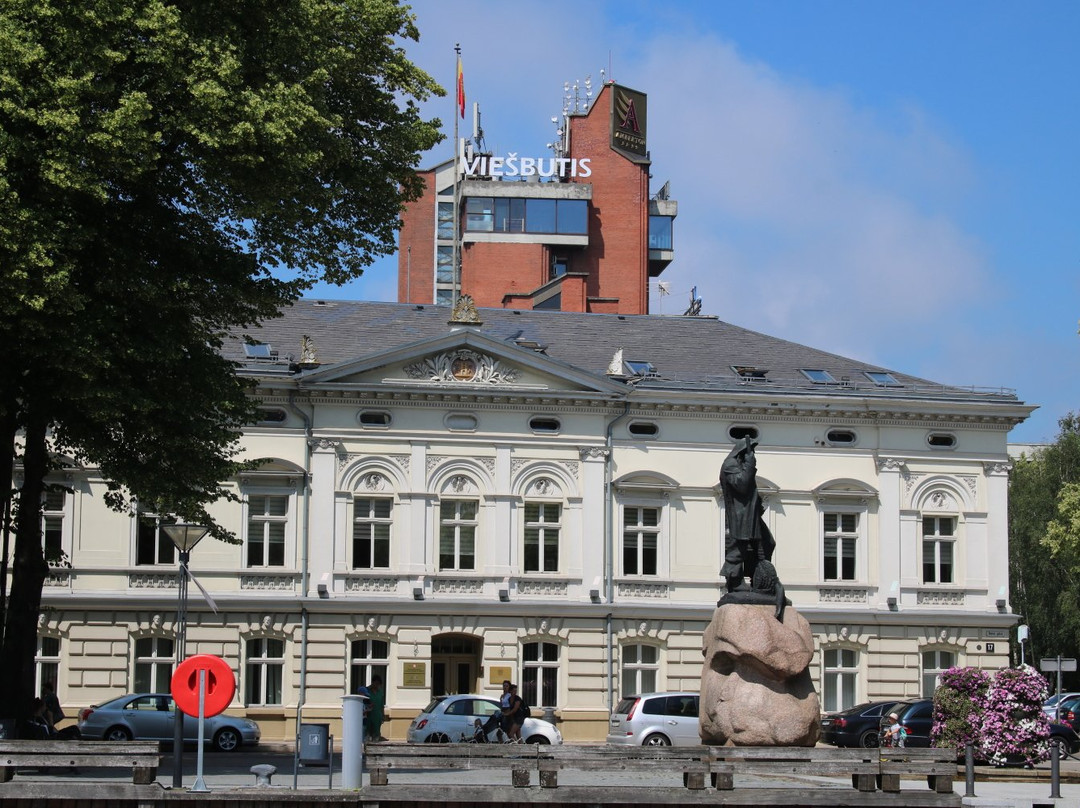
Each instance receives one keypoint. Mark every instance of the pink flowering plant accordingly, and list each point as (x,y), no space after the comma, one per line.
(1000,715)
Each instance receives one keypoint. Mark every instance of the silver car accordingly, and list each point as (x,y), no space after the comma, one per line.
(452,719)
(151,717)
(655,719)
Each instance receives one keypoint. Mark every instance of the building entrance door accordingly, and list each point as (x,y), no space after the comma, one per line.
(455,664)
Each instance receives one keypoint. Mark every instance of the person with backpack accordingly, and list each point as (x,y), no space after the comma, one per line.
(514,717)
(895,732)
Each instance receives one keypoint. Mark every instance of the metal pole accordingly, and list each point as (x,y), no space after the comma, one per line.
(1055,769)
(200,784)
(181,655)
(969,771)
(1057,704)
(352,741)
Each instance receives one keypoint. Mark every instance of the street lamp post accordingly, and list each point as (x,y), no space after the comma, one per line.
(185,537)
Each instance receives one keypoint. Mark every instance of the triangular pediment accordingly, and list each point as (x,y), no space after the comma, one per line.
(458,361)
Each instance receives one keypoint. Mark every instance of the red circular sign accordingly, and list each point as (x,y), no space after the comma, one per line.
(220,685)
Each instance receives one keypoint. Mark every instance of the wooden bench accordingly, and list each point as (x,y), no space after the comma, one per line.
(861,764)
(938,766)
(379,759)
(868,769)
(140,756)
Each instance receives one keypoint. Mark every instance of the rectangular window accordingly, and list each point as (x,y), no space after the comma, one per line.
(480,214)
(540,674)
(660,228)
(267,519)
(540,215)
(265,667)
(542,536)
(640,669)
(47,662)
(572,216)
(446,220)
(641,538)
(371,533)
(52,524)
(152,546)
(153,664)
(367,658)
(457,534)
(841,539)
(444,269)
(938,545)
(841,678)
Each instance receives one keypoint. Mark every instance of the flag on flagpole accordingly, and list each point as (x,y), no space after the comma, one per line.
(460,89)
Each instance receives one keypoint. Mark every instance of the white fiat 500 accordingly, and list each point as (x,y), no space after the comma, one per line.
(452,719)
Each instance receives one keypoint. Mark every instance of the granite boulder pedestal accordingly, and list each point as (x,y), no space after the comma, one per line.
(756,688)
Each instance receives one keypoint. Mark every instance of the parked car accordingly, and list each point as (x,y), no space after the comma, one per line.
(918,717)
(453,718)
(855,726)
(1051,704)
(655,719)
(151,717)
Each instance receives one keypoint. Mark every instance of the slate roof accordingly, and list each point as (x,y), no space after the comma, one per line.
(688,353)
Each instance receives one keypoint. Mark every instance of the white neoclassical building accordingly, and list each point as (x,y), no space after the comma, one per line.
(534,496)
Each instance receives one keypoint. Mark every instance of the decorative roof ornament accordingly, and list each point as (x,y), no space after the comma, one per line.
(308,355)
(465,312)
(615,366)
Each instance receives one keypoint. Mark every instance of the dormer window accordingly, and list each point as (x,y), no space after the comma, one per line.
(750,373)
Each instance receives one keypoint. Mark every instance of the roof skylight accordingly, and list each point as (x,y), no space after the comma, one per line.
(639,367)
(818,376)
(881,378)
(257,350)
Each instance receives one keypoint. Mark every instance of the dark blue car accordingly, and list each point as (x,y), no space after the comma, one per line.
(855,726)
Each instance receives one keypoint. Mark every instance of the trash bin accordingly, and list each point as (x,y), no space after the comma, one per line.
(314,745)
(549,715)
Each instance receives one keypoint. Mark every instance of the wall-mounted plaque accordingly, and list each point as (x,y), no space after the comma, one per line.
(414,674)
(497,674)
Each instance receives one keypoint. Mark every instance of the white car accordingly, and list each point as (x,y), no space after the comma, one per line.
(655,719)
(1050,705)
(452,719)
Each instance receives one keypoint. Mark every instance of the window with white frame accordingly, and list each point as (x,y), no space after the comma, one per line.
(841,541)
(840,678)
(52,524)
(934,663)
(640,669)
(540,673)
(457,534)
(938,549)
(641,540)
(47,662)
(153,664)
(152,546)
(265,668)
(268,517)
(371,532)
(542,526)
(367,659)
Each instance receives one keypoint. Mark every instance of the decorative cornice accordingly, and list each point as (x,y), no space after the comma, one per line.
(997,469)
(461,367)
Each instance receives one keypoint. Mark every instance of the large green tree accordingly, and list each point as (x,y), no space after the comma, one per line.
(1044,543)
(163,165)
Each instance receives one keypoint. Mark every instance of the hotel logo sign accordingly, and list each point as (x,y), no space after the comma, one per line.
(628,120)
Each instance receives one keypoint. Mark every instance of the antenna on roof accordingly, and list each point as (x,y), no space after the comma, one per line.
(694,309)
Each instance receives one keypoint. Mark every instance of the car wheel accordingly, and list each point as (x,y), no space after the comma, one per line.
(656,739)
(117,734)
(437,737)
(227,740)
(869,740)
(537,739)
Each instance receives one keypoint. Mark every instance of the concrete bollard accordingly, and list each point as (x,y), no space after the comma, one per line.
(352,741)
(263,772)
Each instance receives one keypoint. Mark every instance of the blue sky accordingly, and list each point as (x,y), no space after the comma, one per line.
(895,182)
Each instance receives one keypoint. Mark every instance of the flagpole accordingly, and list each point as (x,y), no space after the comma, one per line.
(459,88)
